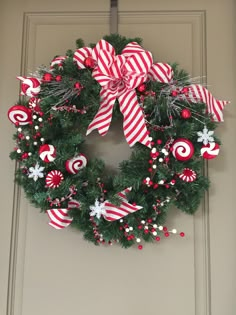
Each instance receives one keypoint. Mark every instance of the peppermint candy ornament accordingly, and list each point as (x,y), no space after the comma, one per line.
(57,61)
(29,86)
(54,179)
(188,175)
(76,163)
(182,149)
(20,115)
(47,153)
(210,151)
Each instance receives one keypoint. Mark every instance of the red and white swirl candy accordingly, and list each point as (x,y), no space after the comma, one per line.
(210,151)
(76,163)
(47,153)
(57,61)
(182,149)
(30,86)
(188,175)
(54,179)
(20,115)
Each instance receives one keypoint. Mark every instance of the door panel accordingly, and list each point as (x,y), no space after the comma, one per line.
(44,271)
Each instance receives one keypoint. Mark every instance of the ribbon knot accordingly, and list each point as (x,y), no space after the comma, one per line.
(118,76)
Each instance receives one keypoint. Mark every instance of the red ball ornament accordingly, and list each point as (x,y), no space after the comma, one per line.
(47,77)
(78,85)
(89,62)
(54,179)
(184,90)
(142,88)
(58,78)
(174,93)
(186,113)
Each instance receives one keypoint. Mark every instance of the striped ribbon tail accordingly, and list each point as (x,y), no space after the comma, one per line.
(102,119)
(114,212)
(59,218)
(198,93)
(134,122)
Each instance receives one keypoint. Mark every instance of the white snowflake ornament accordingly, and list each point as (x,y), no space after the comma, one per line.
(36,172)
(205,136)
(98,209)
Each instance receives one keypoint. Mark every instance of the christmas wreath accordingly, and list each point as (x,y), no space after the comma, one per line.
(168,120)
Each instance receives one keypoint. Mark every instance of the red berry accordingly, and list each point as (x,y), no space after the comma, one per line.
(174,93)
(142,88)
(167,186)
(78,85)
(120,228)
(159,141)
(155,186)
(153,230)
(158,238)
(150,161)
(165,229)
(182,234)
(149,220)
(167,234)
(150,170)
(140,247)
(146,231)
(140,227)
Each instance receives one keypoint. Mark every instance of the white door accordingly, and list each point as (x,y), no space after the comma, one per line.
(44,271)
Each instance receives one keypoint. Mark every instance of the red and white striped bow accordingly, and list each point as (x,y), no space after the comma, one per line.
(59,218)
(119,76)
(196,93)
(114,212)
